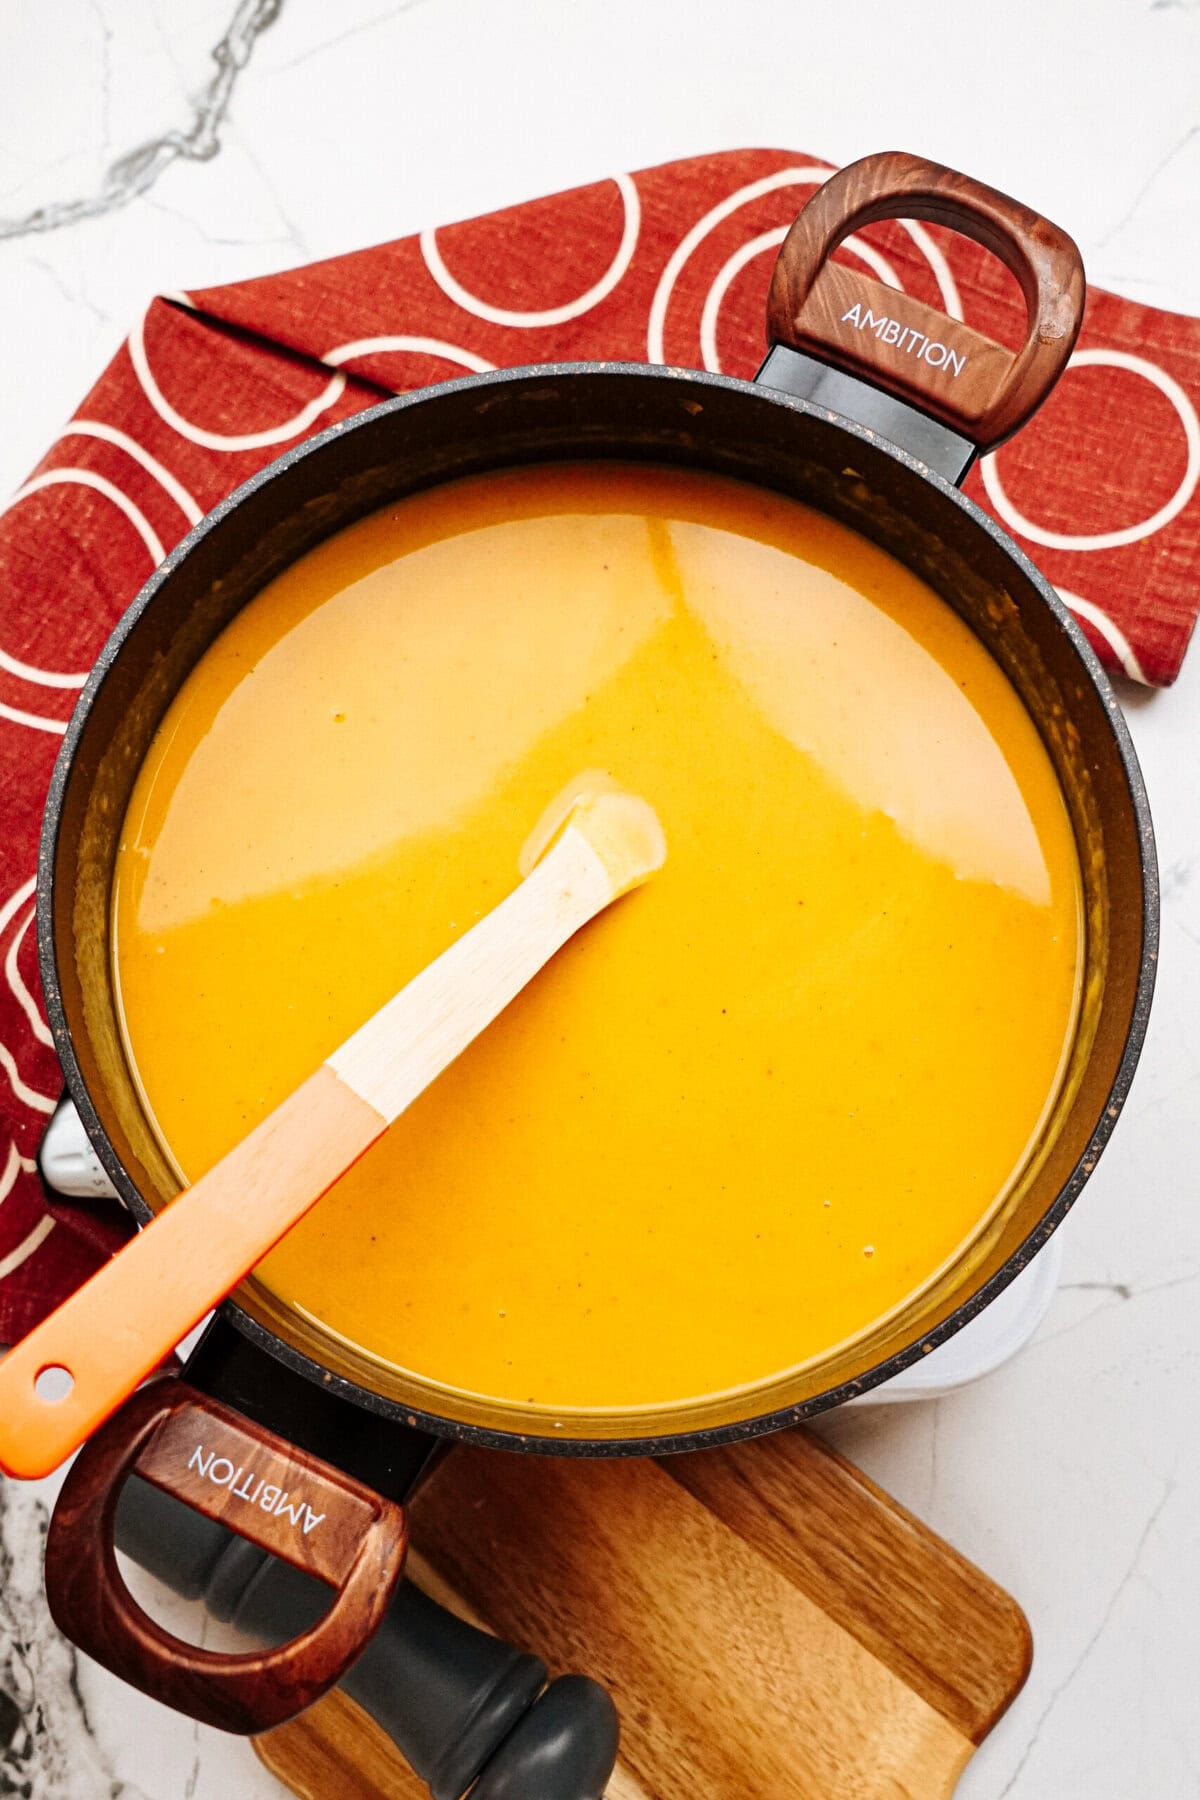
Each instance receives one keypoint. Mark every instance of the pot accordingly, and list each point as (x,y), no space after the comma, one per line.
(870,407)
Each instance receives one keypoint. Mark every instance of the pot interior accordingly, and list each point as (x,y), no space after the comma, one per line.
(695,422)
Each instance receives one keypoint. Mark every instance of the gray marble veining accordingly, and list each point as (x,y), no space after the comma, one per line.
(138,169)
(48,1748)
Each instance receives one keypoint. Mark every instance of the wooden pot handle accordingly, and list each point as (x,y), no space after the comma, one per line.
(263,1489)
(957,375)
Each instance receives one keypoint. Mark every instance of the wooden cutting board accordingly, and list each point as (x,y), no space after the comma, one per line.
(771,1625)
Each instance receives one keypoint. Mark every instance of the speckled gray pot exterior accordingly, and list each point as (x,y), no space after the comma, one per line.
(634,413)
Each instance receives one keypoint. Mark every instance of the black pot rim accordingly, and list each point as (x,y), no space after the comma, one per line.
(709,1436)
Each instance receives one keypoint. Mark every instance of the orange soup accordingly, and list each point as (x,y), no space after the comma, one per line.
(749,1111)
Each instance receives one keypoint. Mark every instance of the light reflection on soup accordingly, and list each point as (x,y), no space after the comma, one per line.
(748,1111)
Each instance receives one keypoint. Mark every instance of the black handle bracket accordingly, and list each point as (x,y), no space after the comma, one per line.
(942,450)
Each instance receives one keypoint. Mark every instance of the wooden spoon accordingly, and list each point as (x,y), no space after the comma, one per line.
(117,1328)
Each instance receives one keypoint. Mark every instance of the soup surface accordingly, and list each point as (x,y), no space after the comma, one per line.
(751,1109)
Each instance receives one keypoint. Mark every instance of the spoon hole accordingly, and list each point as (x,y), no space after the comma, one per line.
(53,1383)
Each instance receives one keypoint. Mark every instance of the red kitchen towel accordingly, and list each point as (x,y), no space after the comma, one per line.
(670,265)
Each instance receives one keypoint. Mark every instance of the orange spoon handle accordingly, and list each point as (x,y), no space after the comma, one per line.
(119,1326)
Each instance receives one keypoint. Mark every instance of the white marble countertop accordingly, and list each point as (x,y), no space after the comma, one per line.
(1072,1474)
